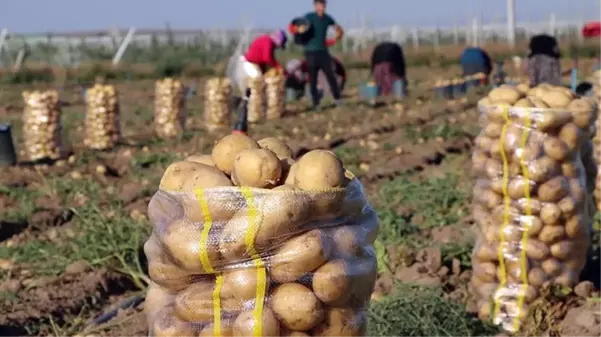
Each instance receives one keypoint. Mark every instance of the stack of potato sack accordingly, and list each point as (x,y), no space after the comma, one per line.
(257,100)
(169,112)
(249,242)
(218,93)
(101,124)
(531,202)
(42,125)
(275,88)
(596,81)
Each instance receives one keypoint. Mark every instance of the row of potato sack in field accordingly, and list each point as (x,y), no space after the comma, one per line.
(248,241)
(169,111)
(101,123)
(267,100)
(41,125)
(596,93)
(532,198)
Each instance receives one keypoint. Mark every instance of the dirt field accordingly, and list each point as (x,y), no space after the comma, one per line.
(71,234)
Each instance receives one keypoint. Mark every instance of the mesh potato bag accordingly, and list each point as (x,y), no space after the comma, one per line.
(531,206)
(275,92)
(255,262)
(42,125)
(596,92)
(101,124)
(169,112)
(257,100)
(218,92)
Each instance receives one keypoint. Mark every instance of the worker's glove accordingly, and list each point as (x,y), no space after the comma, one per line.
(331,42)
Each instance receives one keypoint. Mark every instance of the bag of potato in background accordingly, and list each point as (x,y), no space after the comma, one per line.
(42,125)
(218,92)
(249,242)
(101,124)
(596,93)
(275,89)
(531,202)
(169,112)
(257,100)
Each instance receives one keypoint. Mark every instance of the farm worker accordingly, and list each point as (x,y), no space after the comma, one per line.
(260,57)
(475,60)
(543,61)
(388,66)
(316,50)
(298,76)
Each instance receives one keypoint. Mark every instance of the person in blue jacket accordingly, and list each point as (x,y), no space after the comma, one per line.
(475,60)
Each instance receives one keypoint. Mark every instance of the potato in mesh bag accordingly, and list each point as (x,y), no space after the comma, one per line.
(293,257)
(530,198)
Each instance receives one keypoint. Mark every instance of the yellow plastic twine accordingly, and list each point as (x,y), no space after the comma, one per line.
(206,262)
(249,239)
(506,203)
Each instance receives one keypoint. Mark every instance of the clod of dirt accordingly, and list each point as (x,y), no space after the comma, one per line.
(584,289)
(6,264)
(431,258)
(582,321)
(417,273)
(446,234)
(456,267)
(130,192)
(384,283)
(77,267)
(48,202)
(10,286)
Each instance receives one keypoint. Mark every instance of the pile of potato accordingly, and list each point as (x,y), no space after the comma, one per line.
(257,100)
(169,112)
(218,95)
(275,89)
(531,202)
(270,245)
(101,124)
(42,125)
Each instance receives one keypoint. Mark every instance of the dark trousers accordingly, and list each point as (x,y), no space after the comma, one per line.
(474,68)
(316,61)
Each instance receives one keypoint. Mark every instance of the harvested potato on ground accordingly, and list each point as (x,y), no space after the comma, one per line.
(300,256)
(279,219)
(181,241)
(342,322)
(201,159)
(256,168)
(296,306)
(246,325)
(276,146)
(226,150)
(187,176)
(318,170)
(332,282)
(167,324)
(195,303)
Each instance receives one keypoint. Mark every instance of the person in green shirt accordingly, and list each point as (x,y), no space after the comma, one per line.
(316,50)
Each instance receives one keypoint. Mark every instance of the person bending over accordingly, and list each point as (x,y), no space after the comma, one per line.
(316,50)
(475,60)
(388,66)
(298,76)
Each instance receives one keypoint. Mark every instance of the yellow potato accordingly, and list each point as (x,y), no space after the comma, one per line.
(279,218)
(181,241)
(576,227)
(551,234)
(296,306)
(291,333)
(493,130)
(554,189)
(342,322)
(538,103)
(187,176)
(485,102)
(167,324)
(552,266)
(550,120)
(332,282)
(201,159)
(486,271)
(505,94)
(556,99)
(568,207)
(195,303)
(583,112)
(483,143)
(537,277)
(572,135)
(157,298)
(523,103)
(348,240)
(299,256)
(288,170)
(227,329)
(550,214)
(533,204)
(568,278)
(226,150)
(520,187)
(523,88)
(537,250)
(276,146)
(256,168)
(221,206)
(556,149)
(571,169)
(169,275)
(563,249)
(318,170)
(487,252)
(244,325)
(240,284)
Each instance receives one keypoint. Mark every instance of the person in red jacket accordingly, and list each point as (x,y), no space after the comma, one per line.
(260,57)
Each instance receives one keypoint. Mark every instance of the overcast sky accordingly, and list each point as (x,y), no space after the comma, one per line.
(25,16)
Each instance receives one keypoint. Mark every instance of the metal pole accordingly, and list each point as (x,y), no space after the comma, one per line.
(511,22)
(3,35)
(123,46)
(552,23)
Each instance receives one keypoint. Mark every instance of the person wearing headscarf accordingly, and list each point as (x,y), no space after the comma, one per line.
(388,66)
(299,76)
(260,57)
(543,61)
(475,60)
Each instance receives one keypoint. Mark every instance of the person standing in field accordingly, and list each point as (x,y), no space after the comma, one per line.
(543,61)
(316,50)
(388,66)
(259,58)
